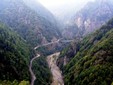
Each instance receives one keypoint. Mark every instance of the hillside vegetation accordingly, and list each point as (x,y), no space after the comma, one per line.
(88,19)
(28,27)
(28,23)
(93,62)
(14,56)
(42,71)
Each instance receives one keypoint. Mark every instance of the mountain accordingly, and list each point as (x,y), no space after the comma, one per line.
(35,26)
(70,31)
(14,56)
(63,12)
(94,15)
(40,9)
(91,17)
(92,62)
(67,54)
(26,28)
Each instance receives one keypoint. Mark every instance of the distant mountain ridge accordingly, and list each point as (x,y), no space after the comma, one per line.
(90,18)
(94,15)
(23,29)
(30,24)
(91,59)
(40,9)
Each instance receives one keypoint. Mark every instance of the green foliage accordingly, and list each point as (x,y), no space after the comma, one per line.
(6,82)
(93,63)
(67,52)
(14,56)
(14,60)
(24,83)
(42,72)
(14,52)
(15,82)
(32,26)
(112,83)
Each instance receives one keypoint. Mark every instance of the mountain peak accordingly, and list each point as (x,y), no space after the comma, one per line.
(94,14)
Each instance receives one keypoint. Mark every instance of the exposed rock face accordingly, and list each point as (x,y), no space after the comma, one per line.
(94,56)
(70,31)
(87,20)
(93,15)
(67,54)
(31,24)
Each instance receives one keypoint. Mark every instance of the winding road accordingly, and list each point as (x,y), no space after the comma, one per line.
(47,44)
(33,77)
(57,77)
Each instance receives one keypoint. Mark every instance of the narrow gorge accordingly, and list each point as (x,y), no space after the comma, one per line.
(56,72)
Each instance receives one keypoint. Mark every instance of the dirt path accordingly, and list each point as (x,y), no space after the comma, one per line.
(57,74)
(47,44)
(57,77)
(33,77)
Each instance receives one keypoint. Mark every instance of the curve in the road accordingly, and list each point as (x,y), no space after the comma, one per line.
(33,77)
(59,40)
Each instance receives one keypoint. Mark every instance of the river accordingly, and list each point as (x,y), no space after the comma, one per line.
(57,74)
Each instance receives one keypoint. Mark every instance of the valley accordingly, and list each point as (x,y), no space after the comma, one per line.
(52,42)
(56,72)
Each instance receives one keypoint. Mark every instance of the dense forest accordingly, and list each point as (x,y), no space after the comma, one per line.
(44,76)
(85,44)
(26,28)
(93,62)
(14,56)
(29,24)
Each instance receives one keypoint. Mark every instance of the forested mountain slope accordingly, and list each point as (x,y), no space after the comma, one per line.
(90,18)
(68,53)
(42,71)
(94,15)
(30,24)
(41,10)
(14,56)
(93,62)
(30,28)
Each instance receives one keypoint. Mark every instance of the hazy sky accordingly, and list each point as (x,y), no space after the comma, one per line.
(56,3)
(62,8)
